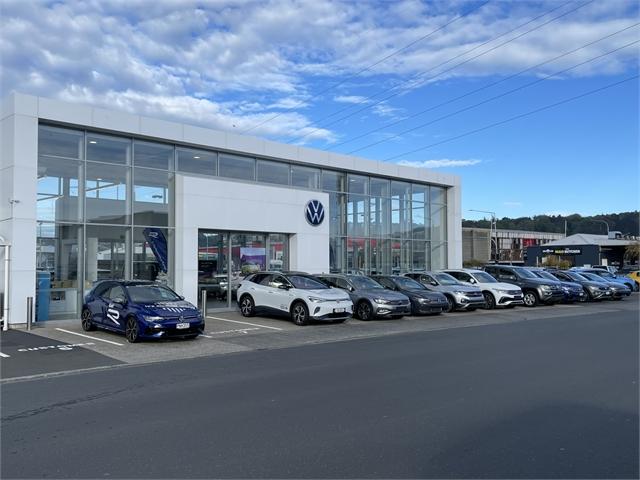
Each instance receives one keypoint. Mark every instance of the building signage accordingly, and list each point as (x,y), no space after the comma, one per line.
(562,251)
(314,211)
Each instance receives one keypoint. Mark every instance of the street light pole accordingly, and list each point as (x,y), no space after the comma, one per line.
(603,221)
(492,228)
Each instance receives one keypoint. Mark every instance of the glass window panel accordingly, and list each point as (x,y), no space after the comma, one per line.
(400,256)
(358,184)
(200,162)
(400,190)
(234,166)
(273,172)
(418,220)
(419,256)
(380,187)
(58,271)
(420,193)
(152,155)
(213,275)
(333,181)
(357,261)
(357,215)
(106,252)
(337,254)
(337,213)
(60,142)
(380,254)
(438,223)
(105,148)
(305,177)
(379,216)
(438,194)
(58,190)
(151,253)
(248,254)
(278,251)
(400,217)
(151,197)
(439,256)
(106,199)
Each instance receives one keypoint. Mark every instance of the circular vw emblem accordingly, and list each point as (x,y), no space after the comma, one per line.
(314,211)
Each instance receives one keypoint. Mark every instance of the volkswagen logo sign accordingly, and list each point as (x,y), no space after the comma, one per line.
(314,211)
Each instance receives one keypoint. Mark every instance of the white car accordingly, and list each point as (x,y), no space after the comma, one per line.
(496,294)
(299,295)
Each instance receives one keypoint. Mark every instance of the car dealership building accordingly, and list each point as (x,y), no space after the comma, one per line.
(88,194)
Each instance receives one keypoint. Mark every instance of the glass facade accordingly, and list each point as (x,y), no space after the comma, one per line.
(105,210)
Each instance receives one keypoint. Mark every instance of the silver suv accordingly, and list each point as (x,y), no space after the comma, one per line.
(370,299)
(459,296)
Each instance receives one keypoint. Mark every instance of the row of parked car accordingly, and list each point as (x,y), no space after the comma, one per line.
(141,309)
(336,297)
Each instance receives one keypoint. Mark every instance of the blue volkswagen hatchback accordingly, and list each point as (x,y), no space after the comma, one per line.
(140,310)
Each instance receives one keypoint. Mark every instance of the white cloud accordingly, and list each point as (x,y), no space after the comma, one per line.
(444,162)
(355,99)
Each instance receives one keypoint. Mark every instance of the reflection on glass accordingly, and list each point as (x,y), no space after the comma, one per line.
(234,166)
(380,187)
(418,220)
(153,155)
(358,184)
(419,256)
(151,197)
(357,215)
(273,172)
(60,142)
(380,262)
(438,223)
(333,181)
(106,193)
(438,256)
(357,261)
(420,193)
(151,253)
(213,275)
(106,253)
(337,254)
(277,251)
(58,190)
(57,271)
(338,213)
(305,177)
(438,194)
(201,162)
(379,216)
(109,149)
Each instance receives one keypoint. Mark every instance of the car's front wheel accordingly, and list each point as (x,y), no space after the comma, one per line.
(450,305)
(530,298)
(299,314)
(247,306)
(364,310)
(489,301)
(132,330)
(87,320)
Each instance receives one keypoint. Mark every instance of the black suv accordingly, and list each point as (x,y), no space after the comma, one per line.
(535,290)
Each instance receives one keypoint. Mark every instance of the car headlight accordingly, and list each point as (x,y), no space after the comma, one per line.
(381,301)
(502,291)
(566,289)
(318,299)
(424,300)
(152,318)
(457,292)
(546,287)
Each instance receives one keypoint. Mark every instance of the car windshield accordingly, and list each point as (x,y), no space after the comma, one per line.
(591,276)
(605,274)
(446,279)
(305,282)
(408,283)
(364,282)
(544,274)
(526,273)
(483,277)
(151,294)
(575,276)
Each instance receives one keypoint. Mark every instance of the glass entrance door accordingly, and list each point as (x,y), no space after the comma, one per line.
(213,268)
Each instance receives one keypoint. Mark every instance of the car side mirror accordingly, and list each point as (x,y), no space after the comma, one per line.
(120,300)
(180,297)
(472,280)
(284,287)
(434,283)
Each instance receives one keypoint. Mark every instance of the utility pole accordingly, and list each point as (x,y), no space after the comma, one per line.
(492,228)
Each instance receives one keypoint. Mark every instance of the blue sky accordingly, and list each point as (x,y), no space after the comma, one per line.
(321,72)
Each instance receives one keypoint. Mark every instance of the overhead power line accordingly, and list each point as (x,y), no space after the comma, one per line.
(421,80)
(516,117)
(484,87)
(496,97)
(369,67)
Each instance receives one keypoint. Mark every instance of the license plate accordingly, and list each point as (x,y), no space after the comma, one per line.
(339,310)
(181,326)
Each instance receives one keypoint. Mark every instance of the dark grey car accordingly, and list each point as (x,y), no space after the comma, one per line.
(459,296)
(370,299)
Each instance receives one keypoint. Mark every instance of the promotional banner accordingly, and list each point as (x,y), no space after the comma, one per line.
(158,244)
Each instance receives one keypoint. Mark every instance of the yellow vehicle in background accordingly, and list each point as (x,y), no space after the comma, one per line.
(635,276)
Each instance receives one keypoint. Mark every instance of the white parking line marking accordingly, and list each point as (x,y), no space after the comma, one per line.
(205,336)
(245,323)
(238,330)
(4,355)
(87,336)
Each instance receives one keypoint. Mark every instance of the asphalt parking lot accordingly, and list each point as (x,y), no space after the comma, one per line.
(57,347)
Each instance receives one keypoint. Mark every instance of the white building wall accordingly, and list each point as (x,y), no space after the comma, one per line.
(18,181)
(206,203)
(454,226)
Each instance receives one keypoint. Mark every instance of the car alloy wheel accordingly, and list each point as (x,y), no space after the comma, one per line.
(132,330)
(364,310)
(87,320)
(450,305)
(247,307)
(299,314)
(530,299)
(489,301)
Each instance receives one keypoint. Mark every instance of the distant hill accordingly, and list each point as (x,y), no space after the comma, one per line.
(626,222)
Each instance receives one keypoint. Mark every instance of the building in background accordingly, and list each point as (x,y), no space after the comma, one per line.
(88,194)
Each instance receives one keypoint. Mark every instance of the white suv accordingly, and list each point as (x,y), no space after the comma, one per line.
(496,294)
(301,296)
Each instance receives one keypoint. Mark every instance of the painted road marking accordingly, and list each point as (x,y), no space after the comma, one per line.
(87,336)
(4,355)
(205,336)
(66,347)
(245,323)
(241,330)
